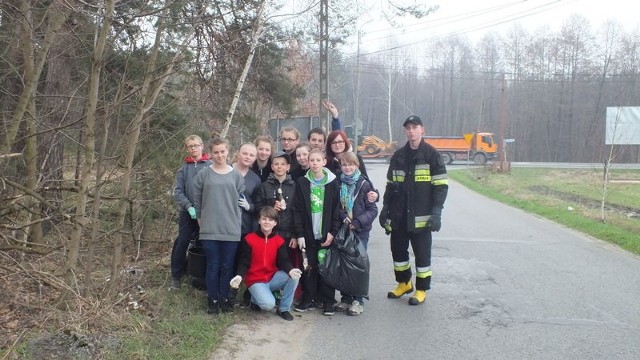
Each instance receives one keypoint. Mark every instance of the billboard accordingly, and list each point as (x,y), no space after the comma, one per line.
(623,125)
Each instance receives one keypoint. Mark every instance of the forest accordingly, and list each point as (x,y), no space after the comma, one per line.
(96,99)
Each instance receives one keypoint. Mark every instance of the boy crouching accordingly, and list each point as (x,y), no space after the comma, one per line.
(265,266)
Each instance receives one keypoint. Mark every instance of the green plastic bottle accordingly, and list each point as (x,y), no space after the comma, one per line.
(322,255)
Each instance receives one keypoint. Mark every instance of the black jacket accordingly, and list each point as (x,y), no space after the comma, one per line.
(417,187)
(303,226)
(265,195)
(264,172)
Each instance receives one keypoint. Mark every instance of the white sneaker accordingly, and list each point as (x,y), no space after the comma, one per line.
(356,308)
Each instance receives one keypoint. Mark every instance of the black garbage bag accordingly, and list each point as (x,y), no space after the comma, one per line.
(346,265)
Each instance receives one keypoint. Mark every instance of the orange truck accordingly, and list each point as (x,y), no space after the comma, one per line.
(478,146)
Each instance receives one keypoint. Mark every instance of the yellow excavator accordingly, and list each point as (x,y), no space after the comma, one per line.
(373,146)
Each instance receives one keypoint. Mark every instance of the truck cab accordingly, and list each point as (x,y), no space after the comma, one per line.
(477,146)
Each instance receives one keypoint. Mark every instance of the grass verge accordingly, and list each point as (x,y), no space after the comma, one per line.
(571,197)
(174,324)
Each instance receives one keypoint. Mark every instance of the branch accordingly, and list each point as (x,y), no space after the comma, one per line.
(36,196)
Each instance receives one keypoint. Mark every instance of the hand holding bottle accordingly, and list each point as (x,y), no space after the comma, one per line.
(281,204)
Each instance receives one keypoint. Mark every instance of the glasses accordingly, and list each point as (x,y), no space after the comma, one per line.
(287,140)
(337,142)
(195,146)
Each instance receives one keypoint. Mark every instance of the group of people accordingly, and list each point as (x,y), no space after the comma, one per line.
(264,218)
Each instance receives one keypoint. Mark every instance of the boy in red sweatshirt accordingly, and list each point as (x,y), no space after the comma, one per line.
(265,266)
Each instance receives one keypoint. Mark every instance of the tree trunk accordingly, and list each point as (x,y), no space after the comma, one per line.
(86,160)
(257,32)
(154,81)
(57,12)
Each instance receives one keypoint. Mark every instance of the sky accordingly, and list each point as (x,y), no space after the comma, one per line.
(474,18)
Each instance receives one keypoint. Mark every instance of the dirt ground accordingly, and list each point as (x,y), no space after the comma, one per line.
(266,337)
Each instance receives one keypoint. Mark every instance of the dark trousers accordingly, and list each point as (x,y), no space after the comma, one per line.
(314,287)
(220,256)
(187,230)
(421,245)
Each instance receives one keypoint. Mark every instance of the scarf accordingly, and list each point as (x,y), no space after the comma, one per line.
(347,191)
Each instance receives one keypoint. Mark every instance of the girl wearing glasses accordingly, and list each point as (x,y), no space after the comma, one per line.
(337,144)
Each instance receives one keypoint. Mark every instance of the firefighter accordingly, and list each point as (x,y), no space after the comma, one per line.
(417,187)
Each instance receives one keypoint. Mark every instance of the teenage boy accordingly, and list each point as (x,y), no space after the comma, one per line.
(264,264)
(278,192)
(268,194)
(316,222)
(195,161)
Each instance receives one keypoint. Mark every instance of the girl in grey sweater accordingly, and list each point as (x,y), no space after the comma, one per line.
(218,190)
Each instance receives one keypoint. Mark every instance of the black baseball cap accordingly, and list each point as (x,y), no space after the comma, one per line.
(413,120)
(282,154)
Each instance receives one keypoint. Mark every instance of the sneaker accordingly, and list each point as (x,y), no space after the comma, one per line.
(329,310)
(418,297)
(343,307)
(255,307)
(226,306)
(401,289)
(175,284)
(213,307)
(304,306)
(285,315)
(355,309)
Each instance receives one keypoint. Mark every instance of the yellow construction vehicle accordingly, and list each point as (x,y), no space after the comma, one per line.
(373,146)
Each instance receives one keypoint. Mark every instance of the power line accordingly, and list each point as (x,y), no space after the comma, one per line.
(490,23)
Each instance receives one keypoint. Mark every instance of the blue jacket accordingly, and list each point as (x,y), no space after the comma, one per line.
(364,211)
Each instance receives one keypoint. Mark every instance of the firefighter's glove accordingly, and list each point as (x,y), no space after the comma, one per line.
(433,223)
(387,227)
(295,274)
(192,212)
(243,203)
(385,222)
(235,282)
(301,243)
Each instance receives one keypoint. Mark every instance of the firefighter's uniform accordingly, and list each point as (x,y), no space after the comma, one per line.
(417,187)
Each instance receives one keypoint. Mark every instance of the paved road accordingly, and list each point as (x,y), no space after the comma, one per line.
(506,285)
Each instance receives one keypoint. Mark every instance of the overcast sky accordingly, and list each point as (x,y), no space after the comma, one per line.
(473,18)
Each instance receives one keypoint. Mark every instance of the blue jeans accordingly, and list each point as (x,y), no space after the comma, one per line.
(262,293)
(187,231)
(220,256)
(349,298)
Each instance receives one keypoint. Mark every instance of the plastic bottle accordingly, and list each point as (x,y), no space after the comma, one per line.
(280,197)
(322,255)
(305,260)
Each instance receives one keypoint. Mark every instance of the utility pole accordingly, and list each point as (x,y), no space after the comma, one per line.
(324,60)
(503,125)
(356,128)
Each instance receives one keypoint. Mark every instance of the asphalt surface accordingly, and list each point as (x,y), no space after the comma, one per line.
(506,285)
